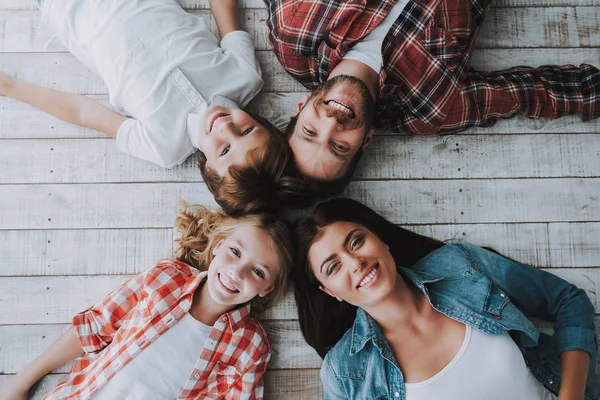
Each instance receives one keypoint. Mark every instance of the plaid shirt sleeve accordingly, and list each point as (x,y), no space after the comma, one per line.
(97,325)
(252,380)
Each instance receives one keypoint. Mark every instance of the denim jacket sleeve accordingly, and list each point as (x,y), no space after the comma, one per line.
(332,389)
(542,294)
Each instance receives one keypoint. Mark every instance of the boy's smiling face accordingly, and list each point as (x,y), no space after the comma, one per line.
(227,135)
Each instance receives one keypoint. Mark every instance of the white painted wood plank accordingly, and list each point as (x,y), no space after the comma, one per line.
(55,300)
(128,251)
(557,27)
(490,201)
(82,252)
(288,384)
(147,205)
(553,27)
(574,244)
(22,343)
(391,157)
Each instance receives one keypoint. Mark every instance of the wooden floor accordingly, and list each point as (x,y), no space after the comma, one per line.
(77,217)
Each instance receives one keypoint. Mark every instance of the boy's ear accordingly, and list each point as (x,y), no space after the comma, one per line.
(214,250)
(299,105)
(266,291)
(329,292)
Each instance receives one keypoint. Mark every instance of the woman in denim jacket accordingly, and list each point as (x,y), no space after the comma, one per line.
(454,325)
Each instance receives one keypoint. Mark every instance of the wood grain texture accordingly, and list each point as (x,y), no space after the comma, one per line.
(130,251)
(82,252)
(402,202)
(44,300)
(390,157)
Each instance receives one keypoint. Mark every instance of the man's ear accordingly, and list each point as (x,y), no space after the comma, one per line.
(214,250)
(266,291)
(368,139)
(329,292)
(299,105)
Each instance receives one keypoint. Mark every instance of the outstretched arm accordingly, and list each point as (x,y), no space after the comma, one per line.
(66,348)
(226,16)
(76,109)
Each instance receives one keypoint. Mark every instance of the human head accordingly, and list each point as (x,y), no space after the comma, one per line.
(259,179)
(329,131)
(205,236)
(324,319)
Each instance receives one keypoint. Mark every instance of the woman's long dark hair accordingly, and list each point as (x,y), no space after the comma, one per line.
(323,319)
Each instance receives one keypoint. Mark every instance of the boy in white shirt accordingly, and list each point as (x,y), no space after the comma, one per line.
(176,90)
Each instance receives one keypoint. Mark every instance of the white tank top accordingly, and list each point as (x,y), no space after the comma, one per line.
(368,49)
(487,367)
(162,369)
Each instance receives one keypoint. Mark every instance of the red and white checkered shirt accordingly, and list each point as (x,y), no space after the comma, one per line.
(129,319)
(427,84)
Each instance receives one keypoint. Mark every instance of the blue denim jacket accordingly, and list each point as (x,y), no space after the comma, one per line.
(487,292)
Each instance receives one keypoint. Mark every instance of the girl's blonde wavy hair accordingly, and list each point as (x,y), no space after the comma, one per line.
(201,229)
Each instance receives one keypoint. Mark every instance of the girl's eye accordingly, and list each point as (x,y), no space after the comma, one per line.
(332,268)
(258,272)
(247,131)
(356,242)
(225,150)
(235,252)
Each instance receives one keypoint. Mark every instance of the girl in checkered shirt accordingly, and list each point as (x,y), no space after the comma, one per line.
(183,328)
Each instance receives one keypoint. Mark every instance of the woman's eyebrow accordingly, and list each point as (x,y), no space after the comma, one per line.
(345,244)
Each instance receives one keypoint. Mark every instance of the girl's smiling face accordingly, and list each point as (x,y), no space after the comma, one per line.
(245,264)
(227,135)
(352,264)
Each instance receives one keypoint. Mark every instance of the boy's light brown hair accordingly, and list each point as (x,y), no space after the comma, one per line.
(266,183)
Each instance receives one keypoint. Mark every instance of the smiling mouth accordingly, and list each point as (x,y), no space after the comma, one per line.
(340,107)
(369,276)
(212,124)
(227,283)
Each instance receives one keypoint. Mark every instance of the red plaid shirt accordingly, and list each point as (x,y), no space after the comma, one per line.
(426,84)
(118,328)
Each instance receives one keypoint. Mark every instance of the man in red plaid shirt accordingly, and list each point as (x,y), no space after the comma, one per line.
(405,66)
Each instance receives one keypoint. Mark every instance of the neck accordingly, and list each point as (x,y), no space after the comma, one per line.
(404,303)
(205,309)
(358,70)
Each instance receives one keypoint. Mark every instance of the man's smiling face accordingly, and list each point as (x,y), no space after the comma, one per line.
(332,127)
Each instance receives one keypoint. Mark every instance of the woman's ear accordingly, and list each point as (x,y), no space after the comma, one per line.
(329,292)
(266,291)
(214,250)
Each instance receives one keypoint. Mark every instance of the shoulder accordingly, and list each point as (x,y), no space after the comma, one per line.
(448,260)
(168,270)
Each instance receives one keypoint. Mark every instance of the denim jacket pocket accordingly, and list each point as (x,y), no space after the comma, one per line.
(443,45)
(495,301)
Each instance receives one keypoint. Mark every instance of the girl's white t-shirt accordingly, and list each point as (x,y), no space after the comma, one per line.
(489,367)
(161,370)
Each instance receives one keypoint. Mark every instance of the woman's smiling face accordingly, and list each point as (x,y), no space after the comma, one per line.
(352,264)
